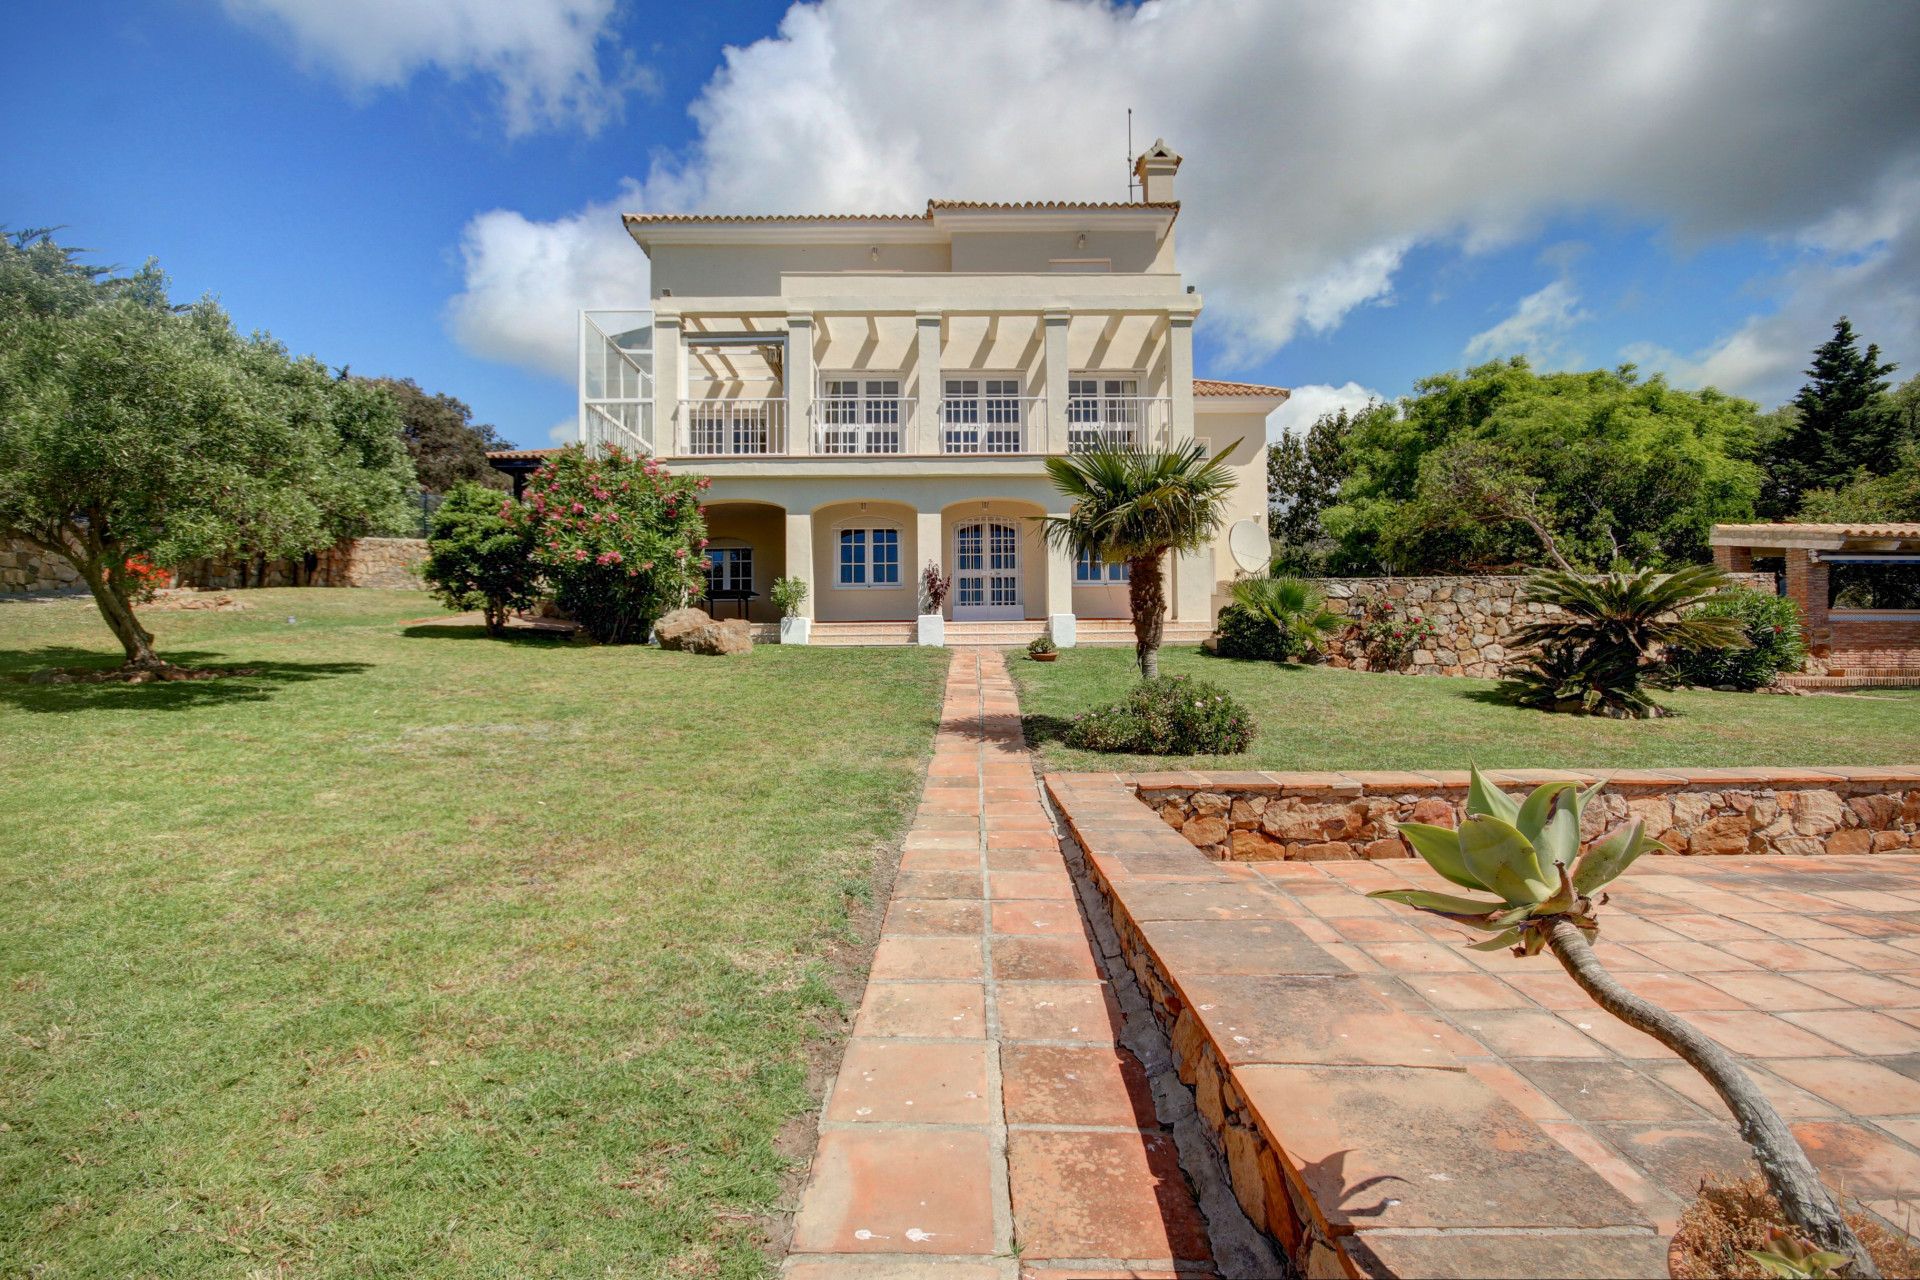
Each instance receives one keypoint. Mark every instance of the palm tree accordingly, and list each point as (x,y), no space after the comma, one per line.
(1295,609)
(1137,506)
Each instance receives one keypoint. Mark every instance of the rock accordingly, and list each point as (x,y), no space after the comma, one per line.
(1173,815)
(1246,810)
(1243,1172)
(1852,840)
(1655,811)
(1724,835)
(1435,813)
(1254,846)
(1379,849)
(676,626)
(1815,813)
(1204,833)
(1209,804)
(692,631)
(1690,808)
(1327,851)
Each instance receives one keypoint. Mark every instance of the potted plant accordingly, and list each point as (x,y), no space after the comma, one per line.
(931,628)
(788,595)
(1545,896)
(1042,649)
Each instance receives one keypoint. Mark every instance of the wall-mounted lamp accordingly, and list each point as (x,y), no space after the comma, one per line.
(863,508)
(666,293)
(1081,243)
(873,254)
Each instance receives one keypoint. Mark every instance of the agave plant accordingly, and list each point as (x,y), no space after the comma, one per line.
(1295,609)
(1527,855)
(1596,655)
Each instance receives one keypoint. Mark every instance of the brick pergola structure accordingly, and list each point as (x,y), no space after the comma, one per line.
(1854,641)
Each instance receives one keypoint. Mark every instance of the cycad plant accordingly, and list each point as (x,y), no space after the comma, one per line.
(1296,610)
(1136,506)
(1597,655)
(1527,855)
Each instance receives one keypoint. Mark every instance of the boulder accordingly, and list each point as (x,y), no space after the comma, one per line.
(692,631)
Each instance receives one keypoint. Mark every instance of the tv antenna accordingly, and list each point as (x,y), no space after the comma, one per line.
(1131,183)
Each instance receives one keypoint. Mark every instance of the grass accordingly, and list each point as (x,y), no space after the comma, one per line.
(1321,718)
(422,953)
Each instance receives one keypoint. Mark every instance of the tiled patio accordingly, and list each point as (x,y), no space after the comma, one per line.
(984,1124)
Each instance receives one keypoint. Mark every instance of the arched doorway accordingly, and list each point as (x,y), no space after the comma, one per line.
(986,571)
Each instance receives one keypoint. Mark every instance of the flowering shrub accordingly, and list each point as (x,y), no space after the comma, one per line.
(479,555)
(1772,624)
(618,539)
(1168,715)
(1391,639)
(144,579)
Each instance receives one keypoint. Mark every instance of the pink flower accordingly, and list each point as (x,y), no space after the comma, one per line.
(578,509)
(607,557)
(702,544)
(648,565)
(706,482)
(579,553)
(679,553)
(702,509)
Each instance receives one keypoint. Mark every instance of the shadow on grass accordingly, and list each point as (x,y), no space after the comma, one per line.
(476,631)
(1042,729)
(258,685)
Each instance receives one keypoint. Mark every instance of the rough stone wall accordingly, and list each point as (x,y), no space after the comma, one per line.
(25,567)
(1476,617)
(1315,818)
(358,562)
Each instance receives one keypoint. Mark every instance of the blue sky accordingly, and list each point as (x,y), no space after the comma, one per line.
(428,189)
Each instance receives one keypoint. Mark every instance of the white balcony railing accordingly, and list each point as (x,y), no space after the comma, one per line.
(1118,422)
(731,428)
(862,424)
(992,424)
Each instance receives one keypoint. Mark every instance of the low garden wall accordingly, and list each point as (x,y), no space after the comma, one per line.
(1325,816)
(357,562)
(25,567)
(1474,616)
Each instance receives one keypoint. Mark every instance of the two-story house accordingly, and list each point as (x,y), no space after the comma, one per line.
(874,393)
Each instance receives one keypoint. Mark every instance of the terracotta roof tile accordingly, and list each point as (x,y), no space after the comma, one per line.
(1206,387)
(655,219)
(519,455)
(1886,530)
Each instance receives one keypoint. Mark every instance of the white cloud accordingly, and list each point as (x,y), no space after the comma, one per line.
(544,56)
(527,281)
(1306,405)
(1323,141)
(1537,327)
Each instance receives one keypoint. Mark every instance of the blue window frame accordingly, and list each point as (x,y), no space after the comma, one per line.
(869,558)
(1089,568)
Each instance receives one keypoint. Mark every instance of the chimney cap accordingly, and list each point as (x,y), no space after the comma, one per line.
(1160,151)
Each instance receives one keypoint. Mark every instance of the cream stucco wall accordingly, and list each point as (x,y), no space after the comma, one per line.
(763,528)
(1218,429)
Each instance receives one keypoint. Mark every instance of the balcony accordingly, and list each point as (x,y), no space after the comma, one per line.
(993,424)
(866,424)
(1118,422)
(727,428)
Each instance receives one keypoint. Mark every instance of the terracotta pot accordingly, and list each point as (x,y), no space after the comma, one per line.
(1043,657)
(1673,1256)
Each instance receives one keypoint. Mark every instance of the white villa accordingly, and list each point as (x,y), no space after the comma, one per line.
(872,393)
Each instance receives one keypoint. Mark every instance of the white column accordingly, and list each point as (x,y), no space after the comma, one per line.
(798,379)
(1060,616)
(1055,325)
(927,399)
(669,385)
(929,544)
(1180,370)
(800,556)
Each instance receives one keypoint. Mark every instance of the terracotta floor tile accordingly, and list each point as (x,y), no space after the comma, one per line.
(959,884)
(939,1009)
(960,859)
(1550,988)
(1761,1035)
(1528,1034)
(1498,1255)
(830,1267)
(1202,948)
(1418,957)
(1049,1084)
(909,958)
(1466,991)
(1854,1085)
(1044,959)
(1790,1100)
(908,1082)
(1056,884)
(1676,1156)
(1217,900)
(1860,1030)
(1038,916)
(1870,990)
(931,916)
(1606,1090)
(885,1190)
(1516,1089)
(1625,1041)
(1101,1195)
(1868,1164)
(1322,1019)
(1661,1207)
(1677,992)
(1786,957)
(1775,991)
(1075,1011)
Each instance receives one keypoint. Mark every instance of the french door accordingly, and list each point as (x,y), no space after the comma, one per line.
(986,572)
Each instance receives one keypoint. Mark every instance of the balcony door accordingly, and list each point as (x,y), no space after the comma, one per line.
(986,572)
(860,415)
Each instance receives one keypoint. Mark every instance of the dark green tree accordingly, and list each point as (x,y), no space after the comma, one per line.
(447,446)
(478,557)
(1303,479)
(1844,424)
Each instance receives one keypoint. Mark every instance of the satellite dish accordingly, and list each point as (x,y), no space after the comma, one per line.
(1252,549)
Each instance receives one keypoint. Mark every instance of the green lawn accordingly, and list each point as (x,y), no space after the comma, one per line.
(422,953)
(1320,718)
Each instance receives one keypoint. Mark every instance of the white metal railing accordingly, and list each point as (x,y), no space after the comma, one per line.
(992,424)
(727,428)
(1118,422)
(862,424)
(616,380)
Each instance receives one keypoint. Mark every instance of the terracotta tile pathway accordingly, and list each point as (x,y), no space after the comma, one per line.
(984,1124)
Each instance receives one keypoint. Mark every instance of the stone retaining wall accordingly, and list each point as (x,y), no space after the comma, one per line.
(358,562)
(1251,817)
(25,567)
(1476,617)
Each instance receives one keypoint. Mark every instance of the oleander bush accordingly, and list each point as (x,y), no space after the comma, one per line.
(1168,715)
(1774,642)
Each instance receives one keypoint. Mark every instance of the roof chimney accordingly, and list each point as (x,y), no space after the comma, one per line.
(1155,169)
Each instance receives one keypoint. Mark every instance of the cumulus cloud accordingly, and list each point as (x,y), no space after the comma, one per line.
(1537,328)
(1307,404)
(543,56)
(1323,140)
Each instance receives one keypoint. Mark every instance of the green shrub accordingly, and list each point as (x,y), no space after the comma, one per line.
(479,556)
(788,595)
(1774,643)
(619,540)
(1168,715)
(1278,619)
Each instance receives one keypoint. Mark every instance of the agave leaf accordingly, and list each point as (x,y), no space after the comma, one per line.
(1445,904)
(1538,808)
(1502,859)
(1486,800)
(1500,943)
(1581,798)
(1612,854)
(1559,843)
(1563,898)
(1440,846)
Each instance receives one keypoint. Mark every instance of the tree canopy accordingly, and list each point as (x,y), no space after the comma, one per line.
(447,446)
(1843,426)
(129,427)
